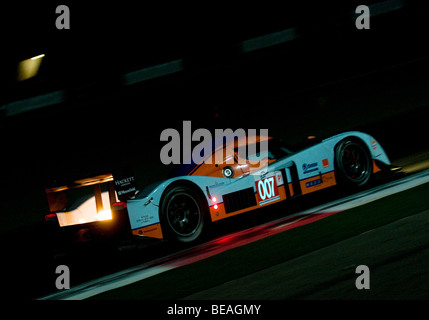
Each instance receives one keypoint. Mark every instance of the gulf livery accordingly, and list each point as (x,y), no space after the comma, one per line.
(180,207)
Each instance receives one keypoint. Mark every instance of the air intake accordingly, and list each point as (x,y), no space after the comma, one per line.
(239,200)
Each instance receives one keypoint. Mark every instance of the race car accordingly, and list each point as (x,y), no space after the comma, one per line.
(180,207)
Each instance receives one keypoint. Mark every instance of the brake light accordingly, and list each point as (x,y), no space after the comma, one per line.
(49,216)
(121,203)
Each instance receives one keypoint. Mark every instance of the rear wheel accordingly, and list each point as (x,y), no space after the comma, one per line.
(353,163)
(183,213)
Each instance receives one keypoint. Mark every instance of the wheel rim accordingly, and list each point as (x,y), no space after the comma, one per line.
(355,163)
(183,214)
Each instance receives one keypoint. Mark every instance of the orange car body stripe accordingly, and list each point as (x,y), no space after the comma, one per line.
(375,168)
(291,189)
(153,231)
(318,182)
(307,186)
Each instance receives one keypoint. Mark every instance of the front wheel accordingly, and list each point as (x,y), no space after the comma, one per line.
(353,163)
(183,213)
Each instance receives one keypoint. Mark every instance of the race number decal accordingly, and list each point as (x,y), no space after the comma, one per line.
(266,190)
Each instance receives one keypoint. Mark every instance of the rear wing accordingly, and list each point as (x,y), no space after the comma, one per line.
(90,199)
(57,196)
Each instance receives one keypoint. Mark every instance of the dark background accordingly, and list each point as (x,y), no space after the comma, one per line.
(102,122)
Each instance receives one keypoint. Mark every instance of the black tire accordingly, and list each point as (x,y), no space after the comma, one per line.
(353,163)
(183,214)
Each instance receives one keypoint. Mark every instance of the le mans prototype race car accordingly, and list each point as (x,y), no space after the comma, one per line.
(180,207)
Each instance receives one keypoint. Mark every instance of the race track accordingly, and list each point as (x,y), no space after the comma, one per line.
(396,254)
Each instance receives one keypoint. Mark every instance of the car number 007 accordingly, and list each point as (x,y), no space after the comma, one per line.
(266,188)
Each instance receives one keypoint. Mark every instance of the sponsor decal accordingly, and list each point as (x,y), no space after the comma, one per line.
(124,183)
(310,167)
(325,163)
(313,183)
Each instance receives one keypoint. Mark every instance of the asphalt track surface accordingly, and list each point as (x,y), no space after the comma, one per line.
(396,254)
(398,261)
